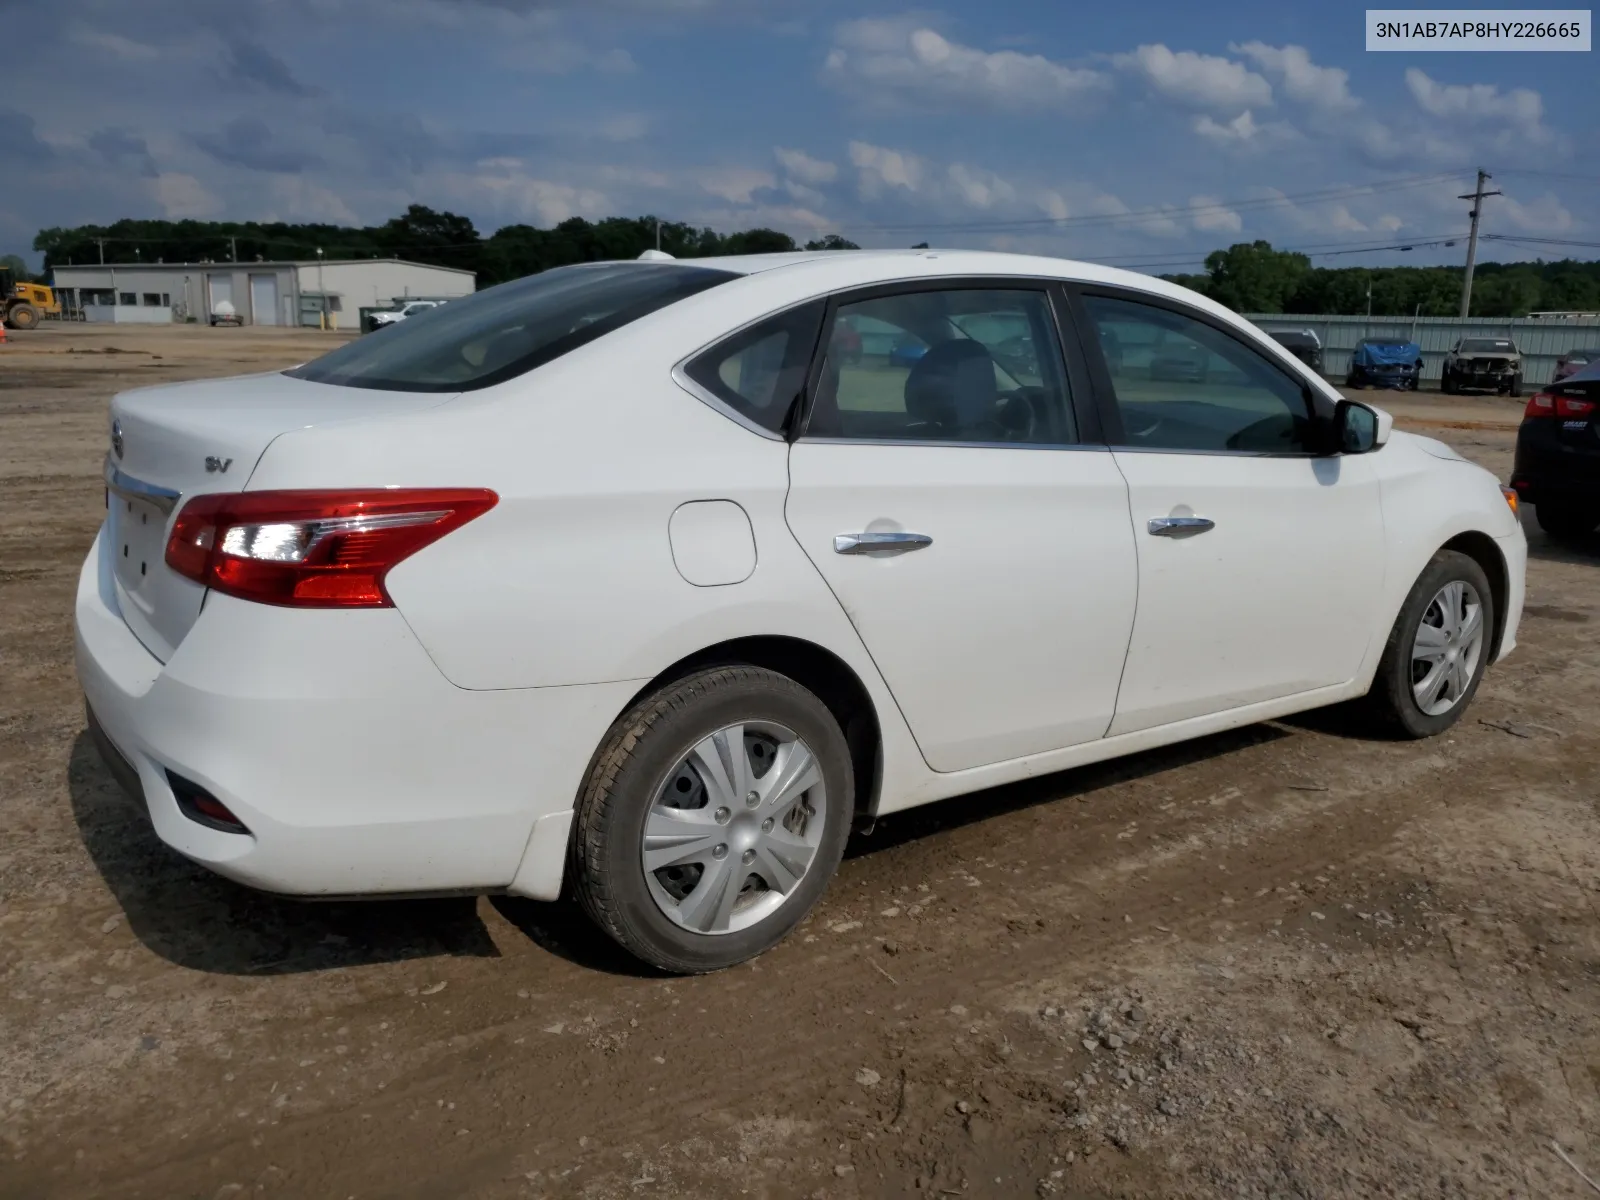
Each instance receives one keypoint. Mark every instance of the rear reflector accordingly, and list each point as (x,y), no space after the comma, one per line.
(201,807)
(314,549)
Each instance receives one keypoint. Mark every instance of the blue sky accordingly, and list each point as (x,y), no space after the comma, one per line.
(1021,124)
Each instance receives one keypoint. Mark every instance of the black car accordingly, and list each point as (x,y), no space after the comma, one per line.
(1301,343)
(1558,455)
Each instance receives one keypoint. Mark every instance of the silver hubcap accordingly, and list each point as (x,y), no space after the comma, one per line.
(1449,643)
(734,828)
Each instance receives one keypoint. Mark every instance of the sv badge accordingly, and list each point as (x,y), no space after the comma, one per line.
(214,464)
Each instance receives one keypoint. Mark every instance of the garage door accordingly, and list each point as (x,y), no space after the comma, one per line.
(264,299)
(221,289)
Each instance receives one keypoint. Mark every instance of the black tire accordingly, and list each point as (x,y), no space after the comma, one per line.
(23,316)
(644,744)
(1391,703)
(1516,386)
(1566,520)
(1447,384)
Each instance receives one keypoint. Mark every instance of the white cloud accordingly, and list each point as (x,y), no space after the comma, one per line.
(1241,129)
(879,168)
(183,196)
(625,127)
(1323,88)
(1520,110)
(735,184)
(899,59)
(1544,215)
(1341,219)
(1211,216)
(114,44)
(1388,223)
(978,188)
(1054,205)
(802,168)
(1201,81)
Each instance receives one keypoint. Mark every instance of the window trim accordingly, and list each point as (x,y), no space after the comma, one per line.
(1079,386)
(681,377)
(1321,408)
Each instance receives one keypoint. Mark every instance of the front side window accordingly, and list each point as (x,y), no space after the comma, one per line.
(1181,384)
(760,372)
(505,331)
(958,365)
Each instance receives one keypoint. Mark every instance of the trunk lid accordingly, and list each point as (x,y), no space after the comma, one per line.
(173,442)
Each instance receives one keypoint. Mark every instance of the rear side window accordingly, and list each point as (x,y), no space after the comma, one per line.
(500,333)
(759,372)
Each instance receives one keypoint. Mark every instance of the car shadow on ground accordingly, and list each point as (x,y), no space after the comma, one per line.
(1579,551)
(897,829)
(201,921)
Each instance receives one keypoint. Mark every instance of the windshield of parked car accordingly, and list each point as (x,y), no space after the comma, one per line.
(504,331)
(1487,346)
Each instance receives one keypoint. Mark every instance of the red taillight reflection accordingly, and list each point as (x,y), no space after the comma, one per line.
(314,549)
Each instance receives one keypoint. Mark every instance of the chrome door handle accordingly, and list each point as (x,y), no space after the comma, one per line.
(1179,527)
(868,543)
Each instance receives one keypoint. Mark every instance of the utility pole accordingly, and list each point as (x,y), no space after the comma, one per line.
(1472,241)
(233,249)
(658,233)
(101,242)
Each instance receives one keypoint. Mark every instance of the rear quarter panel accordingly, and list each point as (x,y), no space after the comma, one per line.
(570,578)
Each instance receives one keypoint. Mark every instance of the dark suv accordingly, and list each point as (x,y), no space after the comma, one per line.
(1302,343)
(1558,455)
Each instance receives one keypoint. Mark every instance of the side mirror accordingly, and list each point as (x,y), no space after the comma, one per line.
(1359,429)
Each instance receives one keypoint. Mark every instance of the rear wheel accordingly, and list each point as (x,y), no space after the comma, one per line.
(1437,650)
(713,818)
(1566,520)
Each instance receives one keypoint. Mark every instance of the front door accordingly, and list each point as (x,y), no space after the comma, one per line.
(982,551)
(1260,559)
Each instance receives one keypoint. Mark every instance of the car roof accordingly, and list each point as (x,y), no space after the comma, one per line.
(833,270)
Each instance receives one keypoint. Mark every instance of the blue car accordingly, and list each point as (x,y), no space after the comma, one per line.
(906,353)
(1385,362)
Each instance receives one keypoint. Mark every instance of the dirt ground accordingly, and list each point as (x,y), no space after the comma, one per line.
(1282,962)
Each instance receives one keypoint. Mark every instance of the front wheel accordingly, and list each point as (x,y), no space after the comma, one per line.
(1437,650)
(713,817)
(1516,386)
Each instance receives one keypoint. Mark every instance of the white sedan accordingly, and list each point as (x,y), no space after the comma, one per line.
(648,580)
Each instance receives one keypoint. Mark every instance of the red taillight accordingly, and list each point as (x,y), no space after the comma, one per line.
(314,549)
(1543,404)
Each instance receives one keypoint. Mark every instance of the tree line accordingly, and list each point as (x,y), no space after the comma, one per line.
(1252,277)
(1247,277)
(422,235)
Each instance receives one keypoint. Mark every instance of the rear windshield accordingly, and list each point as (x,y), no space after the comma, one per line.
(504,331)
(1487,346)
(1293,339)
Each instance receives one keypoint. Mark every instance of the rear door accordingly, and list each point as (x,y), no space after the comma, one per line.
(967,518)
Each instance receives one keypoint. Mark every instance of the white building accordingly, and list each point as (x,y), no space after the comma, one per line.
(262,293)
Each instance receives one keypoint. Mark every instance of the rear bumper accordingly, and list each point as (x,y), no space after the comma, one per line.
(1550,469)
(356,766)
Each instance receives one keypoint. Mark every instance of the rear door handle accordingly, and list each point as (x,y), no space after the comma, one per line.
(1179,527)
(868,543)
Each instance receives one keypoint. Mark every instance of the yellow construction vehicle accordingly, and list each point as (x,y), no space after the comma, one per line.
(24,305)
